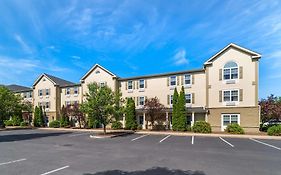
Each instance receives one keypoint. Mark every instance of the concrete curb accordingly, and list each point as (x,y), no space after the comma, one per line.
(245,136)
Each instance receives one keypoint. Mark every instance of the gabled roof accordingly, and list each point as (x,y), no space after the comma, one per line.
(93,68)
(18,88)
(55,80)
(254,54)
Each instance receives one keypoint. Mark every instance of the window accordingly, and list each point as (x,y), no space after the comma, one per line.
(230,118)
(188,98)
(171,99)
(47,106)
(130,84)
(40,92)
(230,95)
(47,92)
(67,103)
(76,102)
(141,84)
(141,101)
(25,95)
(102,84)
(67,91)
(76,90)
(187,79)
(29,94)
(173,80)
(230,71)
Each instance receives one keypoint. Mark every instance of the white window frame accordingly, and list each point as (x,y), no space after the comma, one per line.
(190,98)
(76,89)
(223,127)
(67,103)
(47,95)
(230,69)
(141,88)
(170,82)
(46,105)
(40,93)
(67,91)
(230,102)
(140,101)
(171,100)
(190,80)
(130,82)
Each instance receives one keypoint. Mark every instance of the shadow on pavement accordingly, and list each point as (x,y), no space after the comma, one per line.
(19,137)
(152,171)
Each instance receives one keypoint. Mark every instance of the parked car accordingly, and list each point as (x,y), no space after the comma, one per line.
(270,123)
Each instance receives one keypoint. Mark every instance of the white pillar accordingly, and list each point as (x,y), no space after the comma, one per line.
(124,121)
(206,117)
(144,122)
(192,118)
(167,120)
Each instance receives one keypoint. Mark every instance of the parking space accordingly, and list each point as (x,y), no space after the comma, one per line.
(42,152)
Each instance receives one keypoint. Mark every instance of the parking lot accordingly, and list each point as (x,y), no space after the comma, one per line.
(42,152)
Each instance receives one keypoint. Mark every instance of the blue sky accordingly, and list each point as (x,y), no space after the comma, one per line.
(65,38)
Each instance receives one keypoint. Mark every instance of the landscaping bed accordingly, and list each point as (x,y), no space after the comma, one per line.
(100,135)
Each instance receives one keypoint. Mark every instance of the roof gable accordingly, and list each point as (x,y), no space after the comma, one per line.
(55,80)
(232,45)
(93,68)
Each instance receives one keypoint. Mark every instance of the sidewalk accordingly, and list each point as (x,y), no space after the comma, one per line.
(226,135)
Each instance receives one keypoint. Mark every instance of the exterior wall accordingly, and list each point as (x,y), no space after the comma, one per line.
(247,83)
(25,97)
(71,97)
(101,77)
(159,87)
(249,117)
(53,98)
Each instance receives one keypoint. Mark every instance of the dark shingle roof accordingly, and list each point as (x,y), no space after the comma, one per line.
(59,81)
(18,88)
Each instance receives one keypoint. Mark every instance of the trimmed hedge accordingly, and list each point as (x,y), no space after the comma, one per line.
(274,130)
(23,124)
(202,127)
(116,125)
(9,123)
(234,128)
(54,124)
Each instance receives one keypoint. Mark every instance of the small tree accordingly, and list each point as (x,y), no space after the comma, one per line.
(270,108)
(154,110)
(175,115)
(41,117)
(36,122)
(64,120)
(130,115)
(75,112)
(100,104)
(181,110)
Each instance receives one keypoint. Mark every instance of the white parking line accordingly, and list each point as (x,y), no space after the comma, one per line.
(49,172)
(74,135)
(14,161)
(192,140)
(272,146)
(226,142)
(139,137)
(164,138)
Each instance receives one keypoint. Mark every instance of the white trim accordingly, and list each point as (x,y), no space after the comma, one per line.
(231,103)
(238,119)
(97,65)
(39,78)
(255,54)
(173,86)
(187,85)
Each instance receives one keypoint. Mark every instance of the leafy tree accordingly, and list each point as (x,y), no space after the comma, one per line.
(75,112)
(64,119)
(100,104)
(270,108)
(10,104)
(181,112)
(119,109)
(175,114)
(154,110)
(36,122)
(130,115)
(27,111)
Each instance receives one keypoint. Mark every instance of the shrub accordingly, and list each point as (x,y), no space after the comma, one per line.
(139,127)
(54,124)
(159,127)
(23,124)
(234,128)
(188,128)
(202,127)
(16,120)
(274,130)
(8,123)
(116,125)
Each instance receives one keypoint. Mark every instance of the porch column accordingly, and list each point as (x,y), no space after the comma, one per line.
(192,118)
(124,121)
(206,117)
(144,122)
(167,120)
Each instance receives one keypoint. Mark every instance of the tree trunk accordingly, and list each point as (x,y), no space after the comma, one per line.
(104,128)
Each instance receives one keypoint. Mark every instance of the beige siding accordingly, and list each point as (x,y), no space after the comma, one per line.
(72,97)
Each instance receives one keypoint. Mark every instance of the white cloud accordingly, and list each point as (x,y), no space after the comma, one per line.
(180,57)
(23,44)
(76,57)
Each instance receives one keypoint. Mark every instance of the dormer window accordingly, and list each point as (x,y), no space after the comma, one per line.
(230,71)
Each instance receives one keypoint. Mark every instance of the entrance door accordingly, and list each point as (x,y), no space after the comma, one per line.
(227,119)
